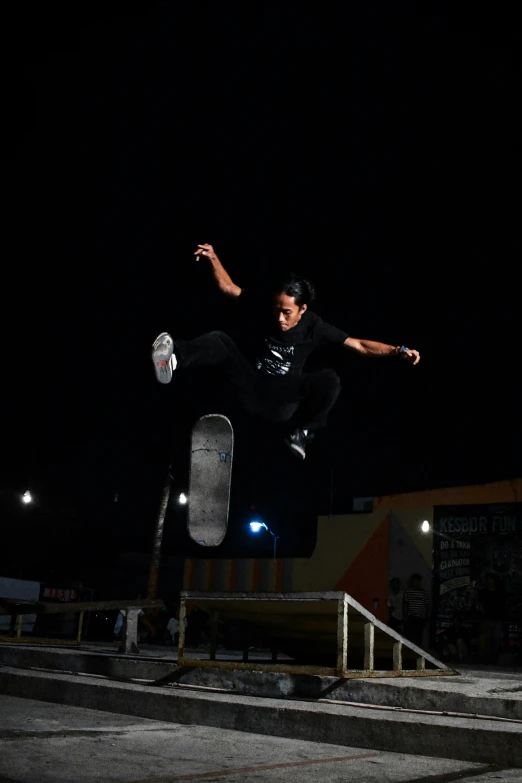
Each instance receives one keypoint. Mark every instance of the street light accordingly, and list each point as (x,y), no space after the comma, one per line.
(256,526)
(182,499)
(27,497)
(425,526)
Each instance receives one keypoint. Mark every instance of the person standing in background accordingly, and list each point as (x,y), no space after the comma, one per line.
(395,600)
(416,605)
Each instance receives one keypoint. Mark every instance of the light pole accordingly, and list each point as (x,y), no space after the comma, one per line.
(256,526)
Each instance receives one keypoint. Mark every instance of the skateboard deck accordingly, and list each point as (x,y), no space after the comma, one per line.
(212,446)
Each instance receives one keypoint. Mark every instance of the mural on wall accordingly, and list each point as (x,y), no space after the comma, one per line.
(351,555)
(477,549)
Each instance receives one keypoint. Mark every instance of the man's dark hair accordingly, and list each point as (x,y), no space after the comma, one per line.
(301,289)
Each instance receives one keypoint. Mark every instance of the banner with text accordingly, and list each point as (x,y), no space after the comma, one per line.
(470,542)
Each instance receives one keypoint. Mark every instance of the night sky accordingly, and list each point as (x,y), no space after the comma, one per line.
(373,146)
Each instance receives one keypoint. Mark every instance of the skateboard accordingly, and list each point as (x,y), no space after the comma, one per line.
(211,451)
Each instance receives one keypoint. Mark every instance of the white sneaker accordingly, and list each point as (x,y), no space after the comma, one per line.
(163,357)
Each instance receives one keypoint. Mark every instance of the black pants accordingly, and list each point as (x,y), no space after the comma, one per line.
(414,629)
(306,398)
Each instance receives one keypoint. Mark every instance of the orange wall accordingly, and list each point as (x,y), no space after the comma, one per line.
(357,553)
(495,492)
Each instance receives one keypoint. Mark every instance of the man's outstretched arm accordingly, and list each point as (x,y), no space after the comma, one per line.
(224,282)
(370,348)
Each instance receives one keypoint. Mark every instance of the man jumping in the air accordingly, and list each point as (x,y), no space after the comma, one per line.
(272,385)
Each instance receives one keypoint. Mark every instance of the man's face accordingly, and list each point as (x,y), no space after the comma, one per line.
(287,313)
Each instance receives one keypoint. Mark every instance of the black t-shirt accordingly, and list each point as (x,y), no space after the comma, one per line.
(276,352)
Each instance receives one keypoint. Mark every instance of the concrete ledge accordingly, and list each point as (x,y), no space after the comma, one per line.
(442,737)
(468,694)
(109,664)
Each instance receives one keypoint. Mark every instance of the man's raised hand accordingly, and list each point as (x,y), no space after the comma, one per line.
(205,250)
(221,276)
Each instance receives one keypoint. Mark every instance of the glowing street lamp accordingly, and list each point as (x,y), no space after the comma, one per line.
(256,526)
(27,497)
(425,527)
(182,499)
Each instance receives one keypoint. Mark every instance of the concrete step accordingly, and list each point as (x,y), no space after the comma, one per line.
(488,741)
(473,693)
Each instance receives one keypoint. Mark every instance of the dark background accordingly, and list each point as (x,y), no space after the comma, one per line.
(373,146)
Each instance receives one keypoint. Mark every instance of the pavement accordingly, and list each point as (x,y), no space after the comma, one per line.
(474,717)
(42,742)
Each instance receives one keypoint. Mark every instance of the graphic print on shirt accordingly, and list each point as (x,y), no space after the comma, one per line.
(277,360)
